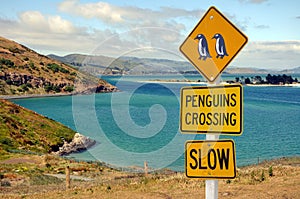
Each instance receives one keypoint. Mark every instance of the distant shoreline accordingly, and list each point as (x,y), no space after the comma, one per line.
(171,81)
(33,96)
(222,83)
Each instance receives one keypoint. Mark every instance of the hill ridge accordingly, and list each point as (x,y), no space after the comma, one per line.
(24,72)
(139,66)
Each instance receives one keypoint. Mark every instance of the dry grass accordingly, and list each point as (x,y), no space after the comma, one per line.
(258,181)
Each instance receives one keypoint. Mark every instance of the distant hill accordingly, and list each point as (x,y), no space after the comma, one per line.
(25,130)
(240,70)
(25,72)
(124,65)
(79,60)
(138,66)
(291,71)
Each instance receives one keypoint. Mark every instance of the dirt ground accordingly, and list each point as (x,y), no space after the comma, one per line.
(273,179)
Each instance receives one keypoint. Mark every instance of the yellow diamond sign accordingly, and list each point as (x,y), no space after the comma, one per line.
(213,44)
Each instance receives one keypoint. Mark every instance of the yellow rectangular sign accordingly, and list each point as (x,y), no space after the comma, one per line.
(214,109)
(210,159)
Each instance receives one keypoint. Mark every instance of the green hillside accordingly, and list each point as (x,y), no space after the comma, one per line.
(25,130)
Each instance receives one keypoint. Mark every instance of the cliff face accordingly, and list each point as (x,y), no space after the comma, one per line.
(25,72)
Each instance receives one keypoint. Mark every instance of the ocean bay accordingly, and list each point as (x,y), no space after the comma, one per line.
(141,122)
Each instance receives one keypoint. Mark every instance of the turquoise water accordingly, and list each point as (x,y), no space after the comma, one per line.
(141,122)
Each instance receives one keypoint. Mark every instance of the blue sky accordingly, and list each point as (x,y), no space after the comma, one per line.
(153,28)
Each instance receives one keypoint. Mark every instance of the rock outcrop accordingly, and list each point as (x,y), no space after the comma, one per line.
(78,144)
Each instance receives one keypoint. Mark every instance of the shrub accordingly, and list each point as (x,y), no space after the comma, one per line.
(63,70)
(28,85)
(5,183)
(7,62)
(6,141)
(48,88)
(15,50)
(24,87)
(270,171)
(262,176)
(9,82)
(69,88)
(56,89)
(51,87)
(31,64)
(56,68)
(53,67)
(13,91)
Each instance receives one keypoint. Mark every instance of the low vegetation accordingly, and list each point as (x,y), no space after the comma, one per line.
(33,176)
(22,130)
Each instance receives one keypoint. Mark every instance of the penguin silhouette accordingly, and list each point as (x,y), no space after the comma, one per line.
(220,46)
(202,47)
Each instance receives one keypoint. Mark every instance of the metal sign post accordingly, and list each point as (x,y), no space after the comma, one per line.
(212,186)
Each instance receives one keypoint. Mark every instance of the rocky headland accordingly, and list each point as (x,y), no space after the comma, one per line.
(78,144)
(25,72)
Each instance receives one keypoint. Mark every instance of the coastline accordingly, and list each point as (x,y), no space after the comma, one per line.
(172,81)
(156,81)
(274,85)
(7,97)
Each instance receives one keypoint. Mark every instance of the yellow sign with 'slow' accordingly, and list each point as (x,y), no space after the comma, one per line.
(214,109)
(210,159)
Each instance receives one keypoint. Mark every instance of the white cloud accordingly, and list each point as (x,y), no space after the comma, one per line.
(270,54)
(33,19)
(36,21)
(92,10)
(53,33)
(155,33)
(50,34)
(59,25)
(126,16)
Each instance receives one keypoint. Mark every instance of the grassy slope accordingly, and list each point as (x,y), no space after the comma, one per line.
(25,130)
